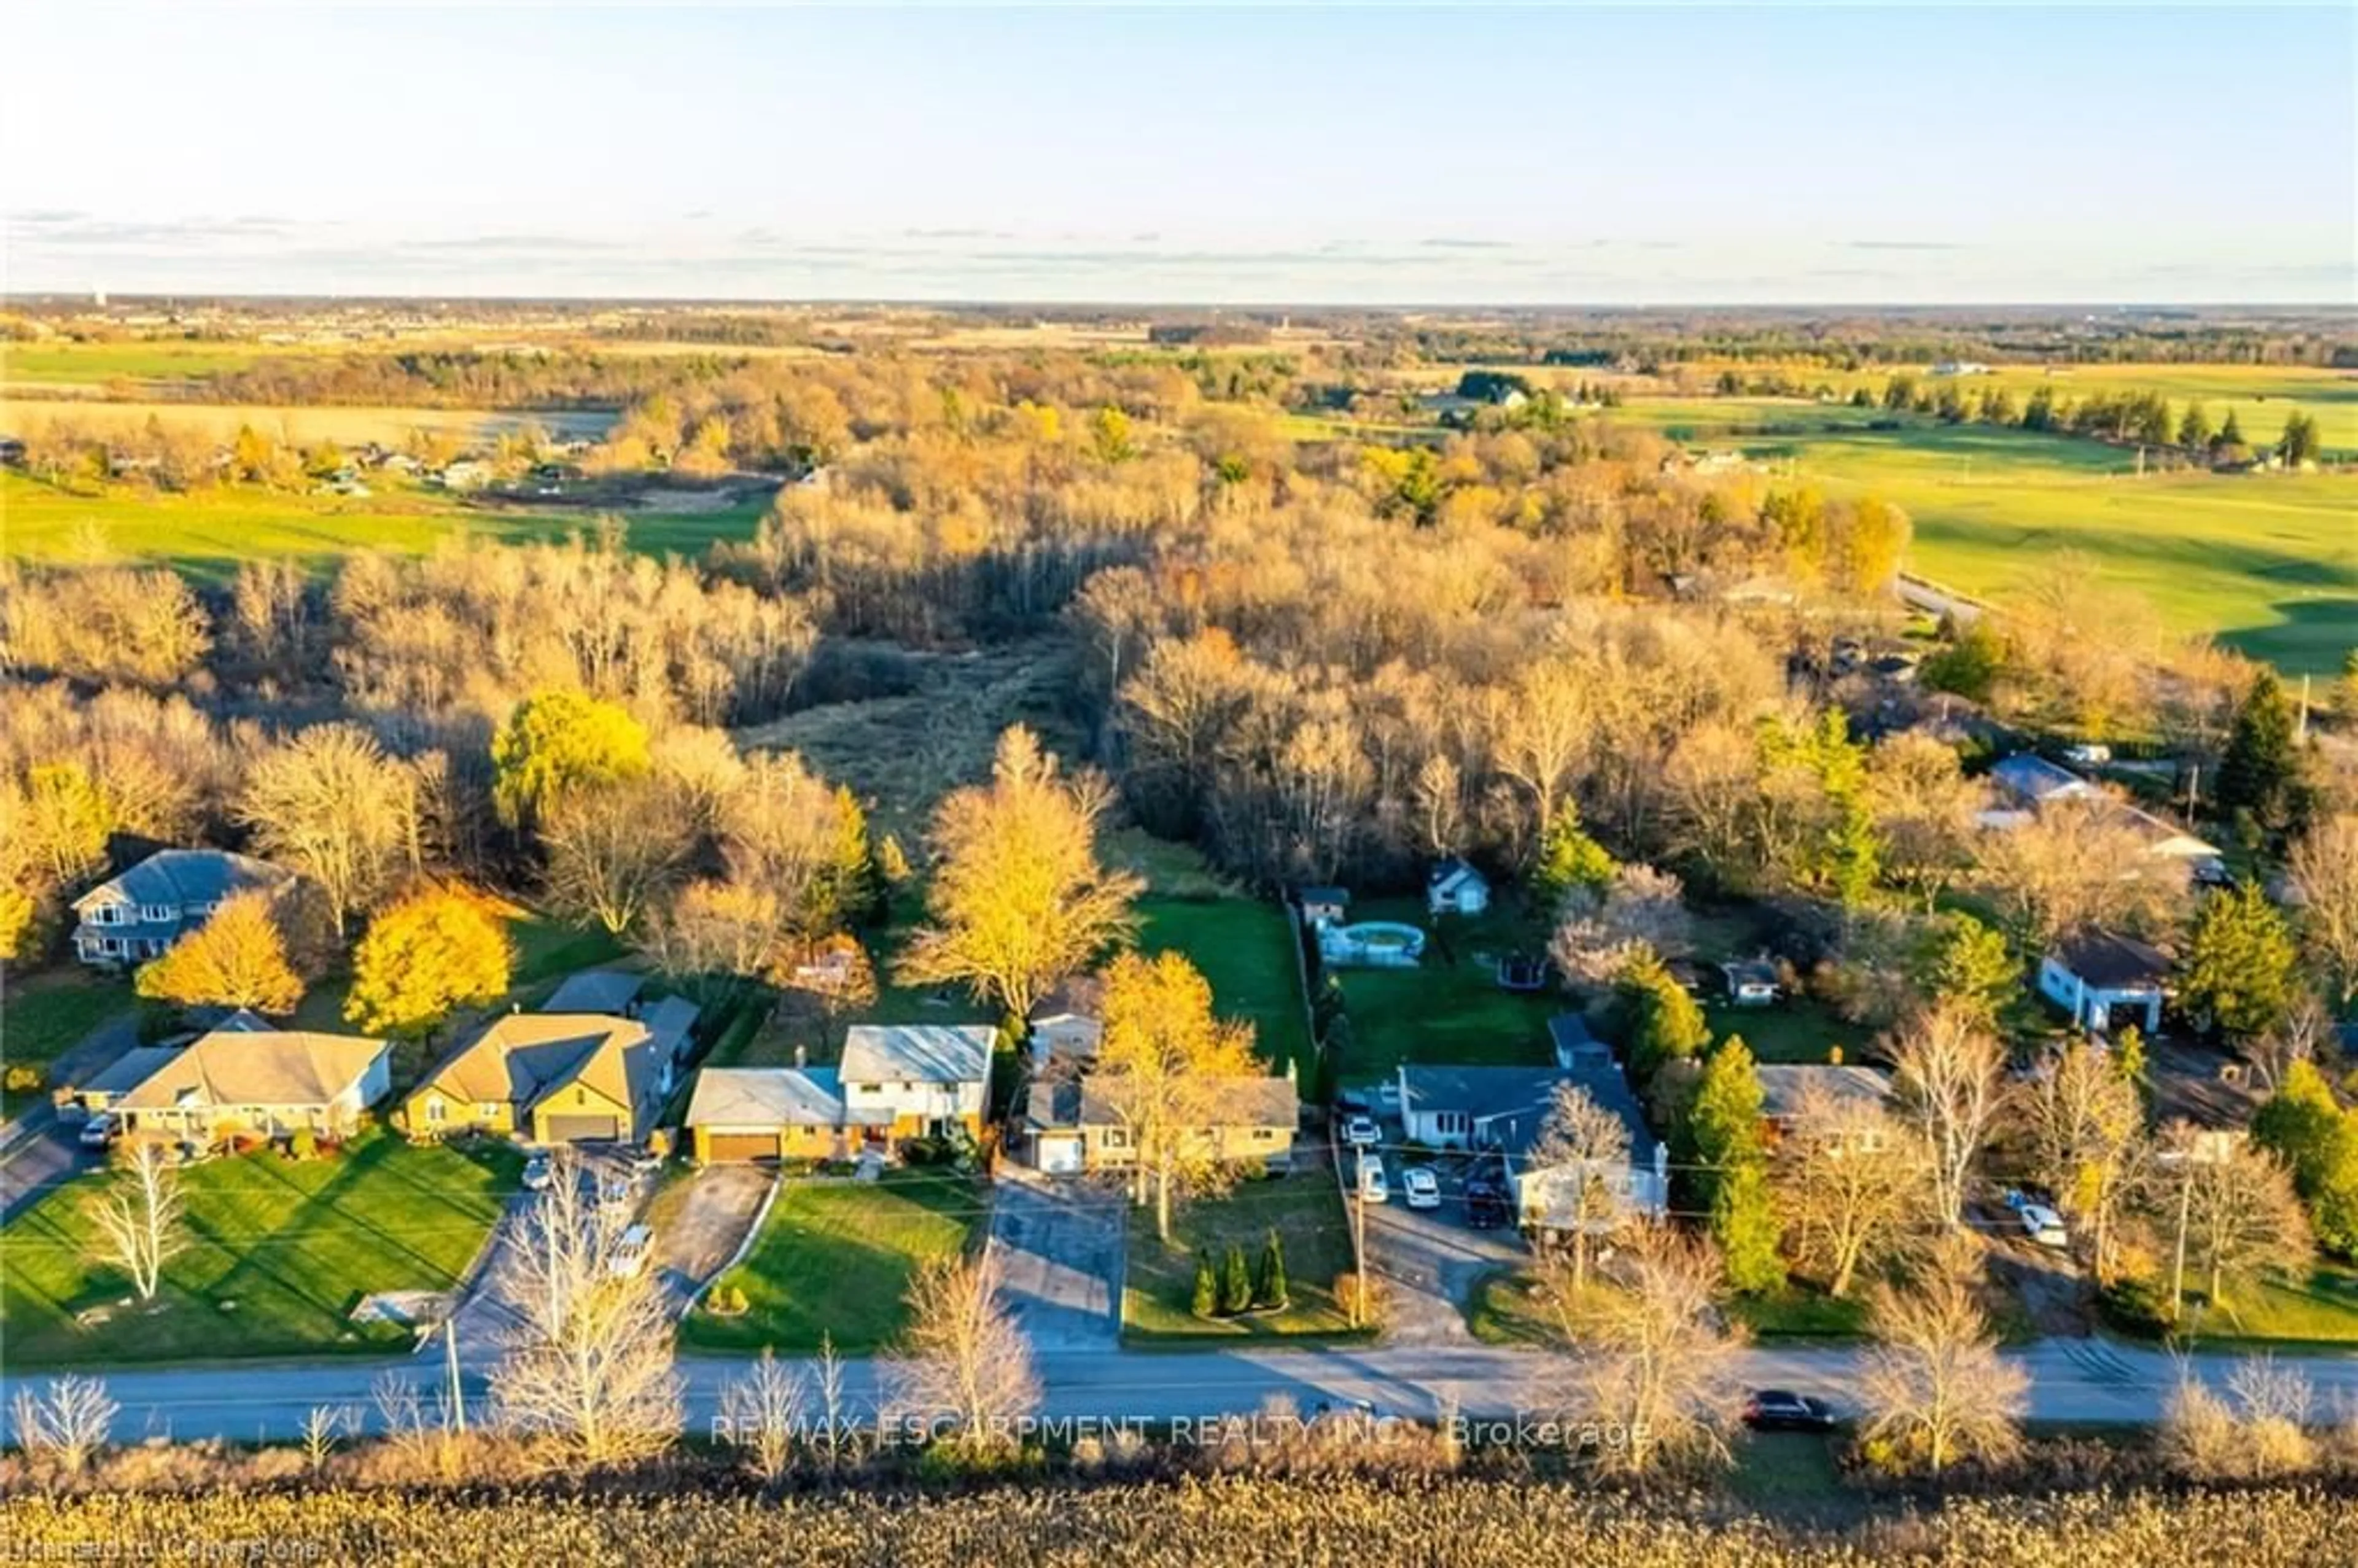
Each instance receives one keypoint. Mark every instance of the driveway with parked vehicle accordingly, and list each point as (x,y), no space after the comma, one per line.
(1433,1249)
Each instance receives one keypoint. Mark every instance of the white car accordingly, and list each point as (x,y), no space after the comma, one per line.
(2044,1226)
(1421,1188)
(2088,756)
(629,1253)
(1361,1132)
(1372,1187)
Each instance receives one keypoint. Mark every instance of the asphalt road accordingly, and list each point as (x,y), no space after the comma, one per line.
(2070,1380)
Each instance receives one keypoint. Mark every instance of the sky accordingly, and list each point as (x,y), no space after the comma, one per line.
(1666,155)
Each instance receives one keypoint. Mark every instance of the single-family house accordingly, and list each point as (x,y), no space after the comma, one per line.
(1751,982)
(1505,1112)
(1785,1084)
(102,1089)
(916,1079)
(1073,1127)
(764,1115)
(238,1081)
(2093,974)
(2031,781)
(1455,887)
(2028,784)
(1064,1042)
(2165,840)
(132,917)
(466,473)
(549,1077)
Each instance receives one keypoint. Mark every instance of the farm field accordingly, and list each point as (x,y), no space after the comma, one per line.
(835,1259)
(281,1251)
(208,534)
(96,363)
(300,426)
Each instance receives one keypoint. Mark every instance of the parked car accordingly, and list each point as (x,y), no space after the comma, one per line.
(643,1162)
(1486,1200)
(631,1253)
(536,1172)
(1421,1188)
(98,1131)
(2088,756)
(1361,1132)
(1777,1410)
(1372,1187)
(2044,1226)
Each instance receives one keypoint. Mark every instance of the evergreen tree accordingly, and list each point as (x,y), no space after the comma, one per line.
(1236,1283)
(1743,1222)
(1969,963)
(1724,1118)
(2300,442)
(2228,445)
(1664,1021)
(2194,430)
(2261,770)
(1569,859)
(1207,1293)
(1269,1291)
(2240,963)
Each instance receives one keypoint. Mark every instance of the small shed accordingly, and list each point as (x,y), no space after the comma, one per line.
(1455,887)
(1324,905)
(1751,982)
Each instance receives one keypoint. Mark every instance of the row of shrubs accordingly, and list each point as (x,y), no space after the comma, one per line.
(1233,1291)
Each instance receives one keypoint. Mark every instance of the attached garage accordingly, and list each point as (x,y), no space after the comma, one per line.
(1058,1154)
(719,1147)
(581,1128)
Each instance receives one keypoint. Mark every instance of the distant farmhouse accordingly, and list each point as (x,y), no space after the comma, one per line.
(135,916)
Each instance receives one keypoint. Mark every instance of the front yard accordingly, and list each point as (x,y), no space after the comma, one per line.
(1306,1210)
(835,1258)
(280,1252)
(2312,1311)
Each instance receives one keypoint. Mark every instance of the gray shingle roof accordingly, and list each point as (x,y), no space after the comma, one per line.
(918,1053)
(188,877)
(2109,961)
(1510,1105)
(764,1098)
(594,990)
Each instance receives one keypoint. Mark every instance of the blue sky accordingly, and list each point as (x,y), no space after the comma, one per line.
(1580,154)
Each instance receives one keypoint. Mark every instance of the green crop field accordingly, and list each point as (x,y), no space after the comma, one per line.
(208,533)
(94,364)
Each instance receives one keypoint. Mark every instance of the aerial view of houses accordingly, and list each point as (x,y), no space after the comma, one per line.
(1151,818)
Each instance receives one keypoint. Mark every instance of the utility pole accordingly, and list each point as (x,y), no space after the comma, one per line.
(2178,1268)
(1359,1254)
(2301,732)
(450,1359)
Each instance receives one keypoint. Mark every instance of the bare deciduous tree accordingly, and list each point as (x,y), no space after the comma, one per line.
(2323,868)
(613,851)
(2227,1211)
(2076,864)
(1658,1372)
(964,1361)
(2257,1431)
(1850,1178)
(1933,1387)
(1945,1075)
(68,1423)
(590,1361)
(761,1413)
(324,1427)
(1600,934)
(136,1222)
(1579,1164)
(2086,1124)
(328,802)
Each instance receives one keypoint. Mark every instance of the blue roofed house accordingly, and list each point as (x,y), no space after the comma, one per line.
(1455,887)
(131,918)
(1505,1110)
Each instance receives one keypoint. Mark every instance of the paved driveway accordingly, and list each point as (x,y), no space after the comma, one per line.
(1059,1249)
(1430,1259)
(700,1222)
(42,1151)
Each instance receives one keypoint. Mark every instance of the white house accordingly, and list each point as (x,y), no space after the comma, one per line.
(2093,974)
(919,1077)
(1454,887)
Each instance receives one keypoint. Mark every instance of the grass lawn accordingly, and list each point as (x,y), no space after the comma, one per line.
(208,534)
(1448,1009)
(1502,1310)
(52,1011)
(835,1258)
(281,1252)
(2318,1310)
(1305,1209)
(1787,1031)
(1800,1310)
(1245,948)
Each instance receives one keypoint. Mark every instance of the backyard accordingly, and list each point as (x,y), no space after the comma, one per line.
(1448,1009)
(1305,1209)
(280,1251)
(835,1259)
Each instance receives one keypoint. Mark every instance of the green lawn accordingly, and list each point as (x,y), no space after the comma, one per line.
(1305,1209)
(1246,949)
(2315,1311)
(1448,1009)
(835,1258)
(92,363)
(281,1252)
(1800,1310)
(51,1011)
(207,534)
(1787,1031)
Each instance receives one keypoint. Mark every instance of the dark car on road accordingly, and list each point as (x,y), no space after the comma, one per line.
(1776,1410)
(1486,1202)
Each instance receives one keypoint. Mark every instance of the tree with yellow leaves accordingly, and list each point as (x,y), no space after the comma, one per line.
(1018,901)
(236,958)
(559,740)
(435,949)
(1163,1066)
